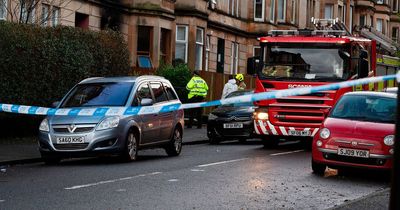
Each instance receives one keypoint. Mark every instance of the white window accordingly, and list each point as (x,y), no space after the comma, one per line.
(281,10)
(272,11)
(379,25)
(28,12)
(294,13)
(55,17)
(395,34)
(259,10)
(328,11)
(3,9)
(379,1)
(234,57)
(207,52)
(45,15)
(199,48)
(233,7)
(181,42)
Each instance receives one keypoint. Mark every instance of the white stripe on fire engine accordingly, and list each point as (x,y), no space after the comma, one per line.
(263,129)
(256,129)
(283,130)
(315,131)
(272,128)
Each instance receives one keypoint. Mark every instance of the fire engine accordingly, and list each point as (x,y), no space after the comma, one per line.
(306,58)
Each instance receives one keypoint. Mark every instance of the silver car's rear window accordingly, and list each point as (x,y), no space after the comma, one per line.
(99,94)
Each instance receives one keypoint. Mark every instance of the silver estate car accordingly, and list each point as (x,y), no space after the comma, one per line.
(123,135)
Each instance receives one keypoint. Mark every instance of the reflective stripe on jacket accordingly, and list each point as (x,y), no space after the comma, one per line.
(197,87)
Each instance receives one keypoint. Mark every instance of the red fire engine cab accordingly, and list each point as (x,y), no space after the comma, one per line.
(305,58)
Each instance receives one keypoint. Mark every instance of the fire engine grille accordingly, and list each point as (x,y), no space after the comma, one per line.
(299,117)
(300,101)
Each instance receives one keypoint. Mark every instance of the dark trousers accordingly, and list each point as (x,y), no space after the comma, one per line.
(195,112)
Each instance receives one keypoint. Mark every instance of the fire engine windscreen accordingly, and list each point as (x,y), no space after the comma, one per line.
(306,63)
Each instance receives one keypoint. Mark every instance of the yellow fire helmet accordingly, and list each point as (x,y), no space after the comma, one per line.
(239,77)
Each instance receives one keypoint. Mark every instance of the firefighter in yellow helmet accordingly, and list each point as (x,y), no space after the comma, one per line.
(240,79)
(197,88)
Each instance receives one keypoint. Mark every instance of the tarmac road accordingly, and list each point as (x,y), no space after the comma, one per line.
(225,176)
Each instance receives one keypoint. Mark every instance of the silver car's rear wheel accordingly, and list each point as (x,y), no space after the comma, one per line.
(131,147)
(174,148)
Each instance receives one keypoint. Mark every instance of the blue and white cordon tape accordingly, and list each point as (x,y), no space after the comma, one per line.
(141,110)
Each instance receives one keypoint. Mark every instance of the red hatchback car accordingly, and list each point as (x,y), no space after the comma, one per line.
(358,132)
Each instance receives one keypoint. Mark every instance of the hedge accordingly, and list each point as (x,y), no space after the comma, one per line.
(179,75)
(38,65)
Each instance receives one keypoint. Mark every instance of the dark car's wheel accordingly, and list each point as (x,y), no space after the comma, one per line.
(318,168)
(174,148)
(131,147)
(270,142)
(48,160)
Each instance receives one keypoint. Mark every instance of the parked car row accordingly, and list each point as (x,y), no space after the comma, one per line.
(357,132)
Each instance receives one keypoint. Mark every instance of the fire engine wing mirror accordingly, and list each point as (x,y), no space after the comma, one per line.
(363,66)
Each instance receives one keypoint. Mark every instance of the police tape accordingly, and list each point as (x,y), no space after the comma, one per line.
(142,110)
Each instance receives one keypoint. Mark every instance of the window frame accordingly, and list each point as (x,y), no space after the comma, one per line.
(331,11)
(259,19)
(45,19)
(165,85)
(4,8)
(233,7)
(31,19)
(396,38)
(272,11)
(136,97)
(234,57)
(185,42)
(201,45)
(208,50)
(294,12)
(381,24)
(283,19)
(55,17)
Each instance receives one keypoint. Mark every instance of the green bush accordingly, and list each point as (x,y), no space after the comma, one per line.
(39,65)
(178,75)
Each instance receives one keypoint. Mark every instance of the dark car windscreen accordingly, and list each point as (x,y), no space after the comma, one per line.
(366,108)
(239,93)
(99,94)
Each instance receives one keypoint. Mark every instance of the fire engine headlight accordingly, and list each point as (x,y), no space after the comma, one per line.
(389,140)
(324,133)
(262,116)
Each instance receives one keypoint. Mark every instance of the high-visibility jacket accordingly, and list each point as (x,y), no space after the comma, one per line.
(197,87)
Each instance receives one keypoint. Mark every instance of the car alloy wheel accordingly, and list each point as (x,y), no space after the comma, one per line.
(131,148)
(175,146)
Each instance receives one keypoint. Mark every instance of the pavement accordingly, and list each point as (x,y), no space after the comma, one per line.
(22,151)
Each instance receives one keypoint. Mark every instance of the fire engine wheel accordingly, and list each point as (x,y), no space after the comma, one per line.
(270,142)
(318,168)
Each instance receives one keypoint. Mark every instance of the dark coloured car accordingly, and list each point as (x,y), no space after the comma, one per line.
(234,121)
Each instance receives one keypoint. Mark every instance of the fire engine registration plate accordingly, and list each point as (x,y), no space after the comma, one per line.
(70,140)
(233,125)
(353,152)
(299,133)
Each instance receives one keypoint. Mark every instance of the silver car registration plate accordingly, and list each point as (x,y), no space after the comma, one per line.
(233,125)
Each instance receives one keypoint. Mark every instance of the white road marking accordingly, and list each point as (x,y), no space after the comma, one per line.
(110,181)
(121,190)
(173,180)
(196,170)
(222,162)
(2,201)
(285,153)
